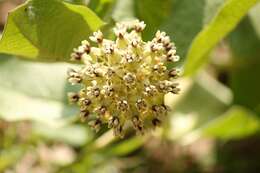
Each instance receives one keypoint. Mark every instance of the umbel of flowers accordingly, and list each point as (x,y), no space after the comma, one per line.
(123,81)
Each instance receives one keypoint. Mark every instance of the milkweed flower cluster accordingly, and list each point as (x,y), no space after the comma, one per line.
(124,81)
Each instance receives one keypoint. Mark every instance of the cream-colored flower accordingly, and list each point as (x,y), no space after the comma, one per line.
(124,80)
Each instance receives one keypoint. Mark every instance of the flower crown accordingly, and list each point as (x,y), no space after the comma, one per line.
(124,81)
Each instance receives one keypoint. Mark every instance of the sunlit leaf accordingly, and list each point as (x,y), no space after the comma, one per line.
(75,1)
(102,8)
(154,16)
(170,16)
(200,103)
(245,46)
(47,29)
(126,147)
(183,25)
(124,10)
(34,91)
(254,16)
(75,135)
(10,156)
(225,21)
(237,122)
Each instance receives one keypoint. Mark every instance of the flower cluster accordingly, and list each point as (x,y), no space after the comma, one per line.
(124,81)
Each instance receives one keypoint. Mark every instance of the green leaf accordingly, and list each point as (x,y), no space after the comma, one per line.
(245,85)
(199,103)
(172,16)
(103,8)
(126,147)
(81,2)
(124,10)
(184,22)
(244,79)
(249,51)
(154,13)
(35,91)
(255,18)
(236,123)
(9,156)
(75,135)
(225,21)
(47,30)
(211,9)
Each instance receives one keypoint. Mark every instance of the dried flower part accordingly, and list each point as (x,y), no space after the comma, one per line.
(141,105)
(73,97)
(124,80)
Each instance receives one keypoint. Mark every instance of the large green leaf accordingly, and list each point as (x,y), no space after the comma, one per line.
(255,18)
(154,13)
(47,29)
(126,147)
(10,156)
(245,85)
(225,21)
(103,8)
(245,33)
(204,111)
(35,91)
(76,135)
(181,19)
(199,102)
(124,10)
(75,1)
(186,20)
(244,78)
(236,123)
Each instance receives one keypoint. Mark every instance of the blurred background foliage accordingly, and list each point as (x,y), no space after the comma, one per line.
(215,121)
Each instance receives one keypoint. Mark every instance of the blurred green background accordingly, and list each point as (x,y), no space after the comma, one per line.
(214,124)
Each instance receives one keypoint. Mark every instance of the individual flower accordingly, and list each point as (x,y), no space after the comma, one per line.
(124,81)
